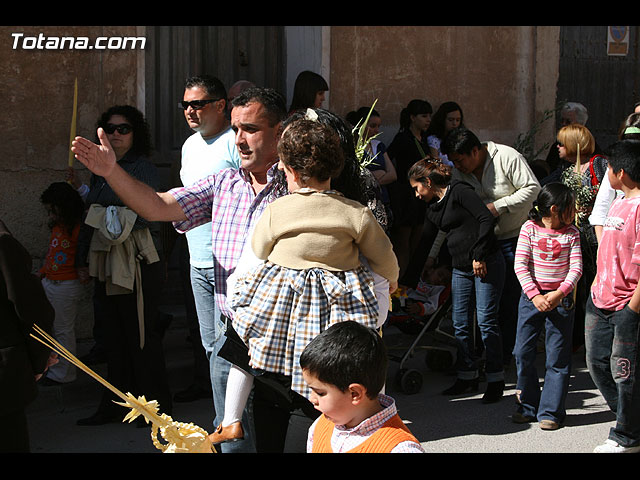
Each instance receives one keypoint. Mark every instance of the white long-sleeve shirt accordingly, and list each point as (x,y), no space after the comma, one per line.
(509,183)
(605,197)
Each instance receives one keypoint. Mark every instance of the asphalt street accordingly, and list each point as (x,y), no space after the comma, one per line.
(443,424)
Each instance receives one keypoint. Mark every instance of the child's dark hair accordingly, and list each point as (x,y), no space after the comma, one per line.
(66,204)
(346,353)
(351,181)
(554,193)
(625,155)
(312,150)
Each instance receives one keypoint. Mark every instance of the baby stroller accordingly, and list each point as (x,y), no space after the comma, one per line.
(423,312)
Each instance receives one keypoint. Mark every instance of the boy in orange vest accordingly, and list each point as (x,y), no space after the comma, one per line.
(346,367)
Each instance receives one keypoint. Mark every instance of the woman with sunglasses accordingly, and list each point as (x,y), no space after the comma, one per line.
(135,360)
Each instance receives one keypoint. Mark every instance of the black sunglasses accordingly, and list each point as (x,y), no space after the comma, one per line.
(122,128)
(196,104)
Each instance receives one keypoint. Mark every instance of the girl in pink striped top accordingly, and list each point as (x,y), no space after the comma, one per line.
(548,264)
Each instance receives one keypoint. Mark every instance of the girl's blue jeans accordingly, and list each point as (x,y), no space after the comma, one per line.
(611,342)
(548,402)
(481,296)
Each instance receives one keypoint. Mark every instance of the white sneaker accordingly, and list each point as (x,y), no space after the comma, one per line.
(609,446)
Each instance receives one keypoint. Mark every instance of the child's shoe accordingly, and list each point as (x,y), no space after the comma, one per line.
(611,446)
(230,433)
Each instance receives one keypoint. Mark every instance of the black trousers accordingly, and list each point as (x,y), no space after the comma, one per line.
(130,368)
(15,432)
(281,416)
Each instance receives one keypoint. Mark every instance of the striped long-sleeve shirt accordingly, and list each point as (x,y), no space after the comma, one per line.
(548,259)
(227,200)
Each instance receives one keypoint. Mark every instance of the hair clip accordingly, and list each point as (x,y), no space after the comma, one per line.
(631,130)
(311,115)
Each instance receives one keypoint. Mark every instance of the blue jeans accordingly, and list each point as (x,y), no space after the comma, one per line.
(611,342)
(471,293)
(558,327)
(508,315)
(212,329)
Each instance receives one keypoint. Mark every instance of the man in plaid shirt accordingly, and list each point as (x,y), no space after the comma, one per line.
(231,199)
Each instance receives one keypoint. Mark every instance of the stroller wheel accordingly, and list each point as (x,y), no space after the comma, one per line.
(409,380)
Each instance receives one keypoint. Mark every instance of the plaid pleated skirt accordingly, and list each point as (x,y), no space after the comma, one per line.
(278,311)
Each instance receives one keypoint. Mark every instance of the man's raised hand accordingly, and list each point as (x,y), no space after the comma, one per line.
(99,159)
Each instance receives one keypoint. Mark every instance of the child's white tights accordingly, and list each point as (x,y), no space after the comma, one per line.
(239,386)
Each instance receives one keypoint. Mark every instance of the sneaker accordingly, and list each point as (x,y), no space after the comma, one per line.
(549,425)
(611,446)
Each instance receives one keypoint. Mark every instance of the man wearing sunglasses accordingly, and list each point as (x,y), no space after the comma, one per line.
(210,149)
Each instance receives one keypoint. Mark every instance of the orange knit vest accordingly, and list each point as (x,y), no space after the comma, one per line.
(385,439)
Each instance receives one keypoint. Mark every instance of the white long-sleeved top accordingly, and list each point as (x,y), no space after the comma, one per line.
(605,197)
(509,183)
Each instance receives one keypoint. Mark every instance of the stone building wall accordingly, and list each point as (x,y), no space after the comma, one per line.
(37,74)
(503,77)
(37,81)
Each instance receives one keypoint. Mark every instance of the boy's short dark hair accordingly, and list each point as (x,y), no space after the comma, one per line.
(625,155)
(346,353)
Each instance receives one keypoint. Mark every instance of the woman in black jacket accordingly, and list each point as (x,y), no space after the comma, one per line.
(134,364)
(477,275)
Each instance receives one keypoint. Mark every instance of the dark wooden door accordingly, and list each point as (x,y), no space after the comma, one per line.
(607,85)
(174,53)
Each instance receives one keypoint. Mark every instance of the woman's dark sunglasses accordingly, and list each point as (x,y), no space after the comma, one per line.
(122,128)
(196,104)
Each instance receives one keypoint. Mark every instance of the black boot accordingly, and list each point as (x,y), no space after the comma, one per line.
(98,418)
(494,392)
(462,386)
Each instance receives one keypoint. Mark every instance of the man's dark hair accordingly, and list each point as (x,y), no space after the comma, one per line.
(460,140)
(212,85)
(625,155)
(273,102)
(346,353)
